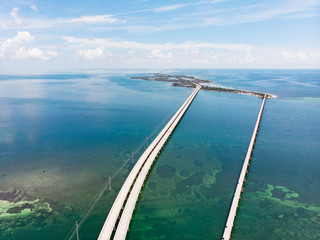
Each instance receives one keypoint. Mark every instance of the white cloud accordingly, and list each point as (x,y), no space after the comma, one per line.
(12,48)
(222,15)
(179,6)
(94,19)
(170,7)
(34,8)
(228,15)
(12,43)
(91,54)
(22,53)
(218,1)
(52,53)
(294,55)
(16,18)
(133,59)
(197,55)
(166,8)
(16,21)
(263,12)
(36,23)
(33,53)
(301,56)
(122,44)
(156,53)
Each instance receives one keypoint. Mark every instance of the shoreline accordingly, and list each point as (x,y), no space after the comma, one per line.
(192,82)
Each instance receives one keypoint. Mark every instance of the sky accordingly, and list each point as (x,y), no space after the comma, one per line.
(151,34)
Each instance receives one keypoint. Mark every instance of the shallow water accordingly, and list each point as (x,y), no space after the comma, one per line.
(281,198)
(282,193)
(204,156)
(62,135)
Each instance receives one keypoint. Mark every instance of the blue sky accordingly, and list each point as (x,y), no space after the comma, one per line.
(55,34)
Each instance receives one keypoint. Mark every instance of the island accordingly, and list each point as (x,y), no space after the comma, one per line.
(192,82)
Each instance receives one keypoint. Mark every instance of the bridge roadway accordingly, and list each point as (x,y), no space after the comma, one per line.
(136,178)
(242,179)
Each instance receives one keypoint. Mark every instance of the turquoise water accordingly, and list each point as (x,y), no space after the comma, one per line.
(282,194)
(62,135)
(281,198)
(203,157)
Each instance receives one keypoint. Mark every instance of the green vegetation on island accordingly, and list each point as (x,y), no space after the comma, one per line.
(191,82)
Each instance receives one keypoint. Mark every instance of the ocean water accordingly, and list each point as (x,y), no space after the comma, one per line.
(188,193)
(62,135)
(281,198)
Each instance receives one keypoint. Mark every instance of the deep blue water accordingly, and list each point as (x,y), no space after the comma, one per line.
(62,135)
